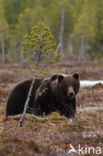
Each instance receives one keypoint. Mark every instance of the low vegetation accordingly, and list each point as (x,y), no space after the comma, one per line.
(50,135)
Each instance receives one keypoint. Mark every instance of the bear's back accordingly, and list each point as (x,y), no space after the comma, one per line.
(18,96)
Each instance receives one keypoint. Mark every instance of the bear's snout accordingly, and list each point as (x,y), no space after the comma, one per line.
(70,92)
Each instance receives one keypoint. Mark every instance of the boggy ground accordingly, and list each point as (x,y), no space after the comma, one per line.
(53,134)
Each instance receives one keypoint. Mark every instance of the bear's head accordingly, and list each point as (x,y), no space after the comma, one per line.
(65,85)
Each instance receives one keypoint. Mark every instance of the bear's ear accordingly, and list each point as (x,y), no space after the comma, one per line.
(54,77)
(60,78)
(76,75)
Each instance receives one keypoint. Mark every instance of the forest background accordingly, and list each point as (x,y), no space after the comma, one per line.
(82,30)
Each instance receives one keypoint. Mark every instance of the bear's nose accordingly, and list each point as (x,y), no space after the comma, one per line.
(71,94)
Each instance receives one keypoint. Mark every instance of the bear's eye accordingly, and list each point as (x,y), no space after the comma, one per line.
(60,78)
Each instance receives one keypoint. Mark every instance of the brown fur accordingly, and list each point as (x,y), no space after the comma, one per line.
(58,93)
(18,96)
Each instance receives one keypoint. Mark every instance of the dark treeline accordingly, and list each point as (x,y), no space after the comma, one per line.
(82,33)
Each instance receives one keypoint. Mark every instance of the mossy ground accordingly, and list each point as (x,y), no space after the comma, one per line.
(51,135)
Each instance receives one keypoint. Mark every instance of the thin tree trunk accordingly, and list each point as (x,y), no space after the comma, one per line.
(15,55)
(22,57)
(62,27)
(30,91)
(82,49)
(60,44)
(70,47)
(58,47)
(27,101)
(3,49)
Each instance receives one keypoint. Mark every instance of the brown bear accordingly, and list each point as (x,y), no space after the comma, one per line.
(57,93)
